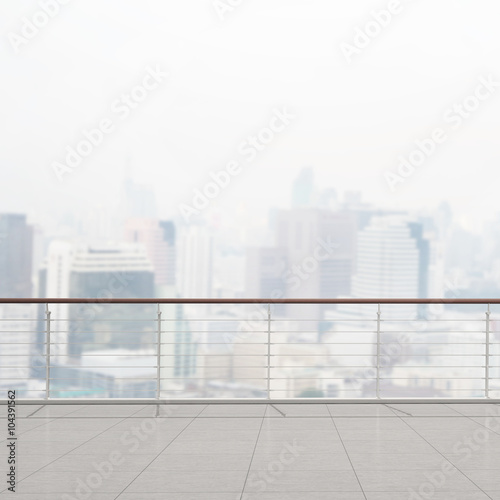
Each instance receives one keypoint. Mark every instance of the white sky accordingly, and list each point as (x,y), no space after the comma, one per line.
(353,121)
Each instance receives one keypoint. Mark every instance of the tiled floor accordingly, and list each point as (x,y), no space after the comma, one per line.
(265,452)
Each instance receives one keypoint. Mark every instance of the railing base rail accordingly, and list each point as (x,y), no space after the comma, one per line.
(194,401)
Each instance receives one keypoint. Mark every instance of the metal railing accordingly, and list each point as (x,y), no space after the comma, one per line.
(250,350)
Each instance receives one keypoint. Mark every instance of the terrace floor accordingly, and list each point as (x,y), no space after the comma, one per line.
(265,452)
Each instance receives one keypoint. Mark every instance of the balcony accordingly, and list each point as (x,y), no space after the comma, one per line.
(226,399)
(256,451)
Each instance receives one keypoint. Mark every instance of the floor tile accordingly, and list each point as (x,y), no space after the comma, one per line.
(425,410)
(357,410)
(192,481)
(297,410)
(283,480)
(236,410)
(309,495)
(303,461)
(396,461)
(476,409)
(289,452)
(180,496)
(486,479)
(434,495)
(398,480)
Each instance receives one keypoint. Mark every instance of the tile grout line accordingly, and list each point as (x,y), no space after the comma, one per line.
(66,415)
(396,409)
(279,411)
(478,423)
(202,410)
(347,454)
(253,454)
(70,451)
(482,425)
(444,458)
(22,433)
(161,452)
(52,419)
(37,410)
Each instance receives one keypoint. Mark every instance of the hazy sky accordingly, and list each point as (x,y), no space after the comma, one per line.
(352,121)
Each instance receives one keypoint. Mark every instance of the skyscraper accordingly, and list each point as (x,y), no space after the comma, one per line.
(122,271)
(303,192)
(392,261)
(16,254)
(169,234)
(159,239)
(265,272)
(54,283)
(196,262)
(320,247)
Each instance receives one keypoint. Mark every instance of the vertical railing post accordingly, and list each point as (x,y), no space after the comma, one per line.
(378,353)
(158,355)
(268,351)
(47,352)
(487,364)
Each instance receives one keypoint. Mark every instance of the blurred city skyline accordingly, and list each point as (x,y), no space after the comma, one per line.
(211,255)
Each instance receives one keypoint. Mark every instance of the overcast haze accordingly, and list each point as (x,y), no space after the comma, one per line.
(225,79)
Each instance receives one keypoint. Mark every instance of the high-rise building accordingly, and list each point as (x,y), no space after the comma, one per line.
(229,273)
(122,271)
(303,191)
(437,287)
(167,272)
(265,272)
(159,239)
(178,349)
(392,262)
(106,272)
(134,201)
(313,257)
(53,283)
(320,247)
(16,254)
(84,331)
(195,262)
(424,256)
(306,195)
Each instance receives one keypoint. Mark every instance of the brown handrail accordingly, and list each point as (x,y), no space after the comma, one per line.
(95,300)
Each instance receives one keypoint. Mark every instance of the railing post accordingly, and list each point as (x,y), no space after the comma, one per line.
(487,364)
(378,353)
(158,355)
(47,352)
(268,351)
